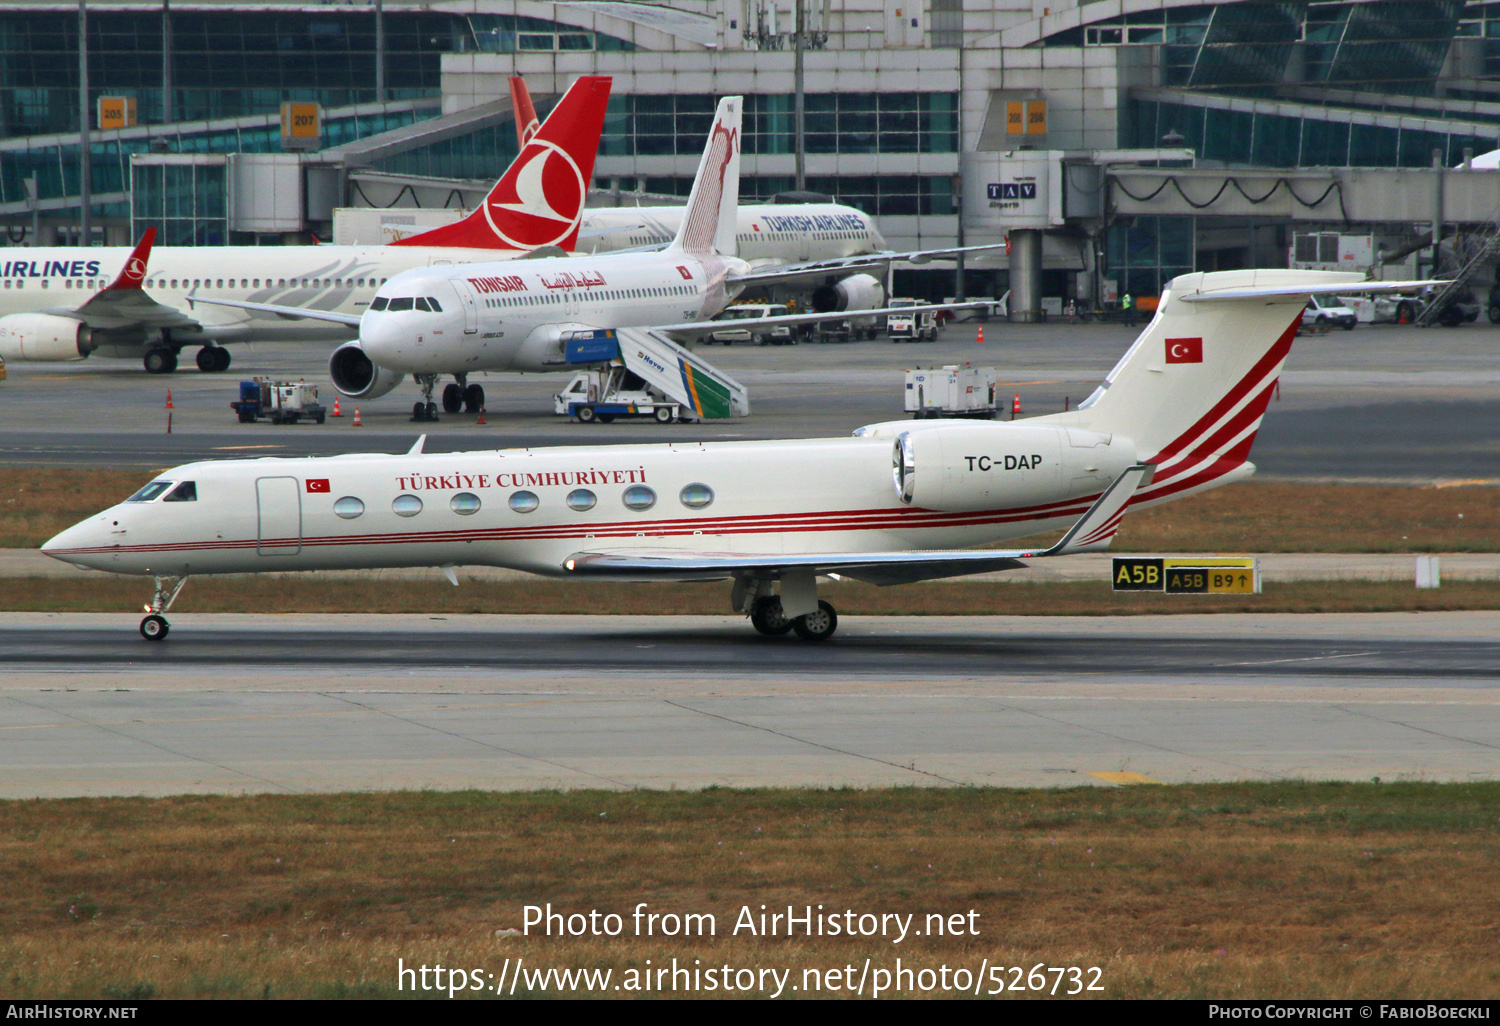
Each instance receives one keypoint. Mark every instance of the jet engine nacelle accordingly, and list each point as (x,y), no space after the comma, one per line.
(39,336)
(857,292)
(964,467)
(357,376)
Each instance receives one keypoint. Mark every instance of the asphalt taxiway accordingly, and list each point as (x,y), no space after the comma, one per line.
(326,703)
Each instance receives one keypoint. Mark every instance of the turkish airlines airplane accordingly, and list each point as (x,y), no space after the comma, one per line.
(520,315)
(897,502)
(48,308)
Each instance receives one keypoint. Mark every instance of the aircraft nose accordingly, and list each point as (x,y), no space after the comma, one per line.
(83,544)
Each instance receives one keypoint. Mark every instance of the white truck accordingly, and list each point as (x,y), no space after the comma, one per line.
(283,402)
(911,327)
(604,393)
(952,391)
(778,335)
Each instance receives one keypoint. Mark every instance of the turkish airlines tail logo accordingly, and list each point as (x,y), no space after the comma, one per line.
(527,125)
(539,202)
(134,271)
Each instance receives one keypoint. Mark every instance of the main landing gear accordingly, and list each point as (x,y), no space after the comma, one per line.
(213,359)
(155,627)
(160,361)
(769,618)
(462,396)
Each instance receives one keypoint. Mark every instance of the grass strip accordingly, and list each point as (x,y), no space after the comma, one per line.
(1254,516)
(1250,890)
(310,594)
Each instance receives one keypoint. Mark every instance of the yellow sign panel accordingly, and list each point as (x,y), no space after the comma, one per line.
(1188,575)
(1036,117)
(1015,117)
(301,122)
(117,112)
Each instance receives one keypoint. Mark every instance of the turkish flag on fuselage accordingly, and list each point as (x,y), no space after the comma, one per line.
(317,484)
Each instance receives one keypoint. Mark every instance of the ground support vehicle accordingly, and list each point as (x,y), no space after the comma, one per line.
(778,335)
(604,393)
(1329,312)
(636,372)
(282,402)
(952,391)
(911,327)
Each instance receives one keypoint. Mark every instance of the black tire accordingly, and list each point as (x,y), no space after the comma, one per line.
(224,359)
(246,417)
(766,617)
(664,415)
(208,359)
(418,412)
(586,414)
(453,398)
(606,418)
(817,626)
(320,418)
(155,627)
(1495,313)
(432,412)
(1348,325)
(160,361)
(473,399)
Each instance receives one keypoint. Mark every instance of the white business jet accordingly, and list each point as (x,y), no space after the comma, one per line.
(48,310)
(521,315)
(897,502)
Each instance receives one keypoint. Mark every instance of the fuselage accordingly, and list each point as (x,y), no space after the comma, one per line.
(530,509)
(768,234)
(513,315)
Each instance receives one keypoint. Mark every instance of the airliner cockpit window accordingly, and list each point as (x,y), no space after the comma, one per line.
(403,303)
(432,302)
(150,492)
(378,303)
(185,492)
(421,304)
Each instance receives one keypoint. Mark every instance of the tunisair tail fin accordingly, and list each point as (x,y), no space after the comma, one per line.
(540,199)
(708,223)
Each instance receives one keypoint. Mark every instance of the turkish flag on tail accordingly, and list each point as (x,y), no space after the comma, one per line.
(1184,350)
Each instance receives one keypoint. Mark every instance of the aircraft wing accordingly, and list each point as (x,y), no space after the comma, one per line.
(707,327)
(124,304)
(1093,532)
(855,264)
(290,312)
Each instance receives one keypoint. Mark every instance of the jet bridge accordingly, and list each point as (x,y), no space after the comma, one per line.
(666,366)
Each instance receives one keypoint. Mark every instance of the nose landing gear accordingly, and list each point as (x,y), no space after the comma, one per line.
(425,411)
(155,626)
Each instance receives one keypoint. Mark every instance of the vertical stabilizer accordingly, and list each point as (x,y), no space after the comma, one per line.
(708,223)
(539,201)
(527,125)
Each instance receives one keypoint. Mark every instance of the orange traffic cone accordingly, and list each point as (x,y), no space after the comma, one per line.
(336,411)
(169,400)
(1400,313)
(481,416)
(980,339)
(1015,407)
(357,421)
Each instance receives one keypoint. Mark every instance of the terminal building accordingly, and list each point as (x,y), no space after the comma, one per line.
(1118,142)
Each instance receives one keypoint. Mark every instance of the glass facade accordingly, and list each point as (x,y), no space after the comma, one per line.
(513,33)
(1273,140)
(646,125)
(1145,256)
(185,203)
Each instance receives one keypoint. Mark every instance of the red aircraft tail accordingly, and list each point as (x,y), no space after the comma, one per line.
(540,199)
(520,101)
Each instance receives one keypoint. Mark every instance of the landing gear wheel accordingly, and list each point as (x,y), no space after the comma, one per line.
(817,626)
(418,411)
(586,414)
(473,399)
(160,361)
(1495,313)
(432,412)
(766,616)
(154,627)
(663,415)
(453,398)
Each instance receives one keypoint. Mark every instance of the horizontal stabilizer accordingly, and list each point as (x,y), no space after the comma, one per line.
(1346,289)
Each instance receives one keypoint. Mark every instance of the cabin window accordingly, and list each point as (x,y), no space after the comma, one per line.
(281,283)
(174,283)
(221,284)
(421,304)
(69,282)
(581,500)
(639,497)
(150,492)
(400,303)
(406,506)
(696,496)
(348,507)
(464,503)
(378,303)
(524,502)
(185,492)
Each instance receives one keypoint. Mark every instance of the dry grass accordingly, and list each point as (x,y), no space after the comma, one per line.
(1254,890)
(1256,516)
(309,594)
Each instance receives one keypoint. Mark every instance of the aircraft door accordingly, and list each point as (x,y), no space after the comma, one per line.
(469,302)
(279,505)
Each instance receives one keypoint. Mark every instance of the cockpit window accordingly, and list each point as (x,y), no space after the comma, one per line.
(403,303)
(422,304)
(432,302)
(150,492)
(378,303)
(185,492)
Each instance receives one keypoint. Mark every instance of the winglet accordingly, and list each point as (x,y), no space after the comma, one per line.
(416,450)
(520,102)
(1096,528)
(134,271)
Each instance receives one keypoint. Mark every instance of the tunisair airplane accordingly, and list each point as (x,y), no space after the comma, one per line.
(897,502)
(48,313)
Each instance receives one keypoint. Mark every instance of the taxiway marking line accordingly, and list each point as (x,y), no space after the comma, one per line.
(1124,778)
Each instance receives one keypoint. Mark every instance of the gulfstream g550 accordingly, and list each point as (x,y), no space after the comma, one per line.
(896,502)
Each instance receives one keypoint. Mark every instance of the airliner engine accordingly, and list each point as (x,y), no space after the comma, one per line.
(856,292)
(965,467)
(357,376)
(38,336)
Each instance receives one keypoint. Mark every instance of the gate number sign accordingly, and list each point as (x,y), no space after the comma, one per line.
(1187,576)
